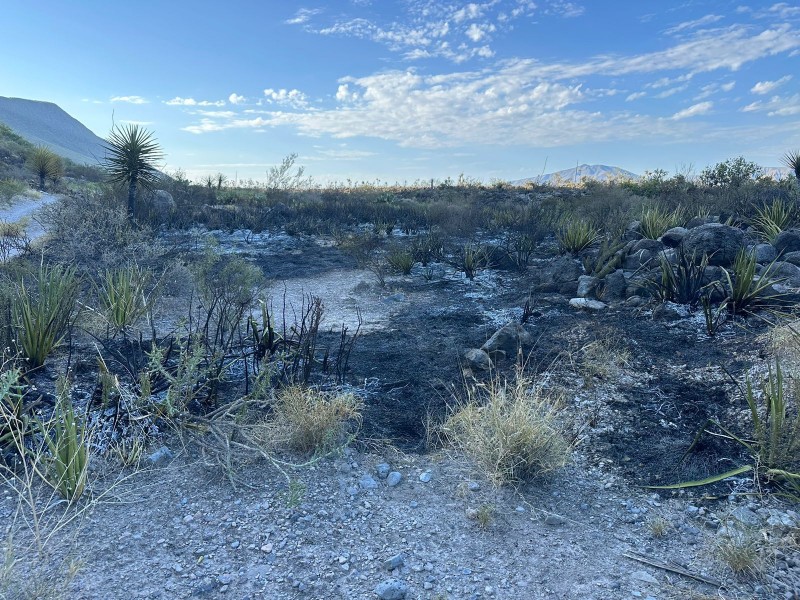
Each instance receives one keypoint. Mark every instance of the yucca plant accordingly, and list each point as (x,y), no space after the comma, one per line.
(577,235)
(473,259)
(682,282)
(747,291)
(42,311)
(772,219)
(792,160)
(123,296)
(66,438)
(45,164)
(131,157)
(657,219)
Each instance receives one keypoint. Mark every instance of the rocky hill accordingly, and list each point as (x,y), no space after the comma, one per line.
(46,123)
(576,174)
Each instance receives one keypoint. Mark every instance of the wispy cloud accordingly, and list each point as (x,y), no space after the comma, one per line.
(302,16)
(784,10)
(635,96)
(766,87)
(291,98)
(777,106)
(130,99)
(178,101)
(701,108)
(715,88)
(695,24)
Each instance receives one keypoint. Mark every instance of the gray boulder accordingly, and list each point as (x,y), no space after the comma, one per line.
(507,341)
(765,253)
(788,273)
(698,221)
(162,203)
(673,237)
(558,274)
(788,241)
(792,257)
(477,359)
(586,304)
(391,589)
(614,286)
(587,285)
(721,243)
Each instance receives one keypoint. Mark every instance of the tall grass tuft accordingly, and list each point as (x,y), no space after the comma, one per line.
(746,291)
(123,296)
(657,219)
(42,311)
(771,219)
(509,429)
(577,235)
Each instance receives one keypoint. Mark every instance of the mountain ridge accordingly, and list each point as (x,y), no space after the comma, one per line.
(48,124)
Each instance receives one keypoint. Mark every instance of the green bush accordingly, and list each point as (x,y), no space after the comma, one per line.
(125,295)
(577,235)
(43,311)
(401,261)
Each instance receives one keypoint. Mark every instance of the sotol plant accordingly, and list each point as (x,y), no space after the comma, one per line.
(131,157)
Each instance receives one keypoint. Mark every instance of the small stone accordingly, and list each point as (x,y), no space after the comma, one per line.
(395,562)
(225,579)
(367,482)
(425,477)
(161,456)
(554,520)
(474,486)
(587,304)
(394,478)
(383,470)
(644,577)
(471,513)
(391,589)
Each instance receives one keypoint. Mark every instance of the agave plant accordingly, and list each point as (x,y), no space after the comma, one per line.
(131,157)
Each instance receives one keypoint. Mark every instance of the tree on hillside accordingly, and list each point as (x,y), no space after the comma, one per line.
(792,160)
(131,157)
(45,164)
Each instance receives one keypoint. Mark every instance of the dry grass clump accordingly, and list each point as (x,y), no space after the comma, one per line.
(509,429)
(741,551)
(308,420)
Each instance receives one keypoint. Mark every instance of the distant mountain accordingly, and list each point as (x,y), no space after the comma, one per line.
(47,124)
(574,175)
(778,173)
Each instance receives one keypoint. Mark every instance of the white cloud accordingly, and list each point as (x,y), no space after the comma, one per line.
(292,98)
(784,10)
(765,87)
(130,99)
(777,106)
(701,108)
(671,91)
(697,23)
(343,94)
(235,98)
(635,96)
(178,101)
(715,88)
(303,16)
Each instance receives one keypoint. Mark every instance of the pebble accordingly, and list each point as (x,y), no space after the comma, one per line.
(161,456)
(367,482)
(383,470)
(425,477)
(394,478)
(391,589)
(395,562)
(644,577)
(554,520)
(474,486)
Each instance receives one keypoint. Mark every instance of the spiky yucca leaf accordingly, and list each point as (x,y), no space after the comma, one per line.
(131,157)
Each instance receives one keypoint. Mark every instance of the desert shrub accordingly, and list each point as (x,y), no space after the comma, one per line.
(733,172)
(472,259)
(428,247)
(308,420)
(14,238)
(125,295)
(577,235)
(92,230)
(10,188)
(42,311)
(509,429)
(520,248)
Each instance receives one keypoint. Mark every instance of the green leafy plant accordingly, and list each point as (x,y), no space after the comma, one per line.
(473,259)
(746,291)
(577,235)
(733,172)
(401,261)
(131,157)
(772,219)
(124,296)
(42,312)
(714,316)
(655,220)
(66,437)
(520,249)
(682,282)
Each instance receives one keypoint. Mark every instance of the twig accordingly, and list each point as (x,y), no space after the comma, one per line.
(672,567)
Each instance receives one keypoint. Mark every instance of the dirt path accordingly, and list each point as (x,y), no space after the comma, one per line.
(26,207)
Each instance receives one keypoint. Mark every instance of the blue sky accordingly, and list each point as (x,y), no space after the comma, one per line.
(418,89)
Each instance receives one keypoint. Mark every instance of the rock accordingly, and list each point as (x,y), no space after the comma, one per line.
(788,273)
(554,520)
(721,243)
(478,359)
(652,246)
(587,304)
(161,456)
(633,231)
(394,478)
(791,257)
(391,589)
(665,312)
(552,275)
(788,241)
(474,486)
(673,237)
(613,286)
(644,577)
(586,285)
(367,482)
(395,562)
(425,477)
(507,341)
(765,253)
(162,203)
(698,221)
(383,470)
